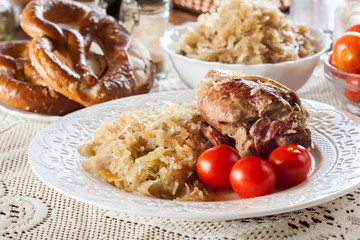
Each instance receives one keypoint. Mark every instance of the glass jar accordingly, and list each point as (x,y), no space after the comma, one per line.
(346,14)
(147,20)
(318,14)
(7,20)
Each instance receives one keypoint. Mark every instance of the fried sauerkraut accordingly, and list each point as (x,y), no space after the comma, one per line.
(150,152)
(246,32)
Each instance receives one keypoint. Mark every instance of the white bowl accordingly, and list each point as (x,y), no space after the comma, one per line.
(292,74)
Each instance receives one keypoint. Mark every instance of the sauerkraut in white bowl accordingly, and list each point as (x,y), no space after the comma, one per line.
(250,37)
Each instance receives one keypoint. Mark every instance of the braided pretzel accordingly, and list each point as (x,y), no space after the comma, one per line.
(21,86)
(129,68)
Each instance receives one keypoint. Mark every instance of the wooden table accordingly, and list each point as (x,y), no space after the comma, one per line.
(178,16)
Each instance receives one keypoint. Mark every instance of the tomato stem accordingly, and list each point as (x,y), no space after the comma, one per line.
(348,56)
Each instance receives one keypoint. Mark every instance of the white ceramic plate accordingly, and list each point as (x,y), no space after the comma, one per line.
(54,158)
(24,114)
(43,117)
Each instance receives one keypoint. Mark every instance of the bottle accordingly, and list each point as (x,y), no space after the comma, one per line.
(7,20)
(346,14)
(147,20)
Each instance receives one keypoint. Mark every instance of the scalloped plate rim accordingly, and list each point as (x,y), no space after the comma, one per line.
(209,216)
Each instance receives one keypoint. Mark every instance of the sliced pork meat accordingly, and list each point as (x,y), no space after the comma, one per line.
(257,113)
(214,136)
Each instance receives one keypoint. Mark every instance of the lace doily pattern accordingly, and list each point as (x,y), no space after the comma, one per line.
(29,209)
(20,211)
(54,157)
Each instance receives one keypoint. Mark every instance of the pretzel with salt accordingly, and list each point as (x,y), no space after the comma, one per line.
(59,53)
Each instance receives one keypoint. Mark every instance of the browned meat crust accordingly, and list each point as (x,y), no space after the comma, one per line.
(258,113)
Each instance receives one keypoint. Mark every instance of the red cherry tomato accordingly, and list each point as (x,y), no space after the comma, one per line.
(353,94)
(346,52)
(214,164)
(331,61)
(292,164)
(334,73)
(252,177)
(353,28)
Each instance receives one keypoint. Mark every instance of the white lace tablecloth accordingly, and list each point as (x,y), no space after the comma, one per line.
(29,209)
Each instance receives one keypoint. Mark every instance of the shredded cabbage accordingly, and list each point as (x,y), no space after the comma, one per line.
(150,152)
(246,32)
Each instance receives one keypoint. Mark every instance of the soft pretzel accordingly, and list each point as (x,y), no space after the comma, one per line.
(21,86)
(42,18)
(129,67)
